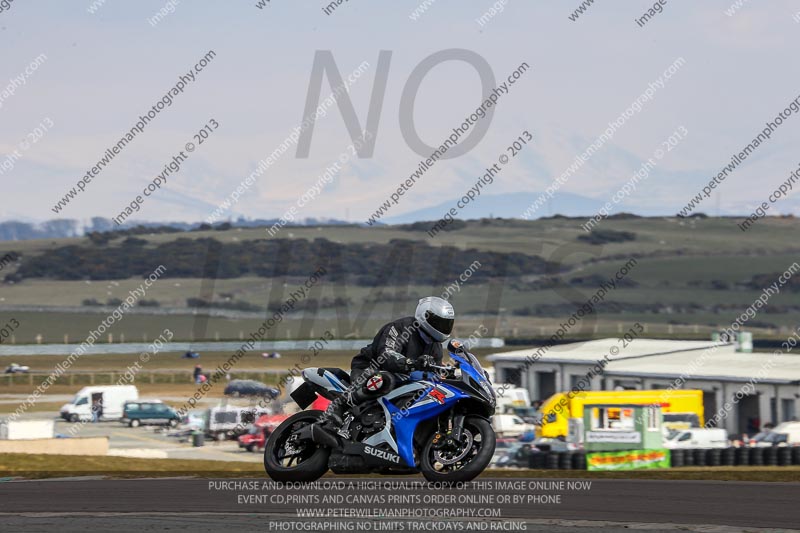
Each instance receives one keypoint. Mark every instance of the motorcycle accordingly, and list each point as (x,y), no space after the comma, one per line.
(436,423)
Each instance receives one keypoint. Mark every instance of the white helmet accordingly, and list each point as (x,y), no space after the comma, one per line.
(435,316)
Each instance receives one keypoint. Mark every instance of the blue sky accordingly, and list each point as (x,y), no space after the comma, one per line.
(104,69)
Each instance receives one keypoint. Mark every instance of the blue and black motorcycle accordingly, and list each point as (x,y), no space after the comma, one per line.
(436,423)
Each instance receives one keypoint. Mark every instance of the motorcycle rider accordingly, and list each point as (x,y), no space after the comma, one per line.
(403,345)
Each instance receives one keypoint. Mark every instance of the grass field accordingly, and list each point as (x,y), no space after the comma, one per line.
(54,466)
(173,377)
(694,269)
(172,374)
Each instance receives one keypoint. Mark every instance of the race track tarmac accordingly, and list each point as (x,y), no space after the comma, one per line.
(398,504)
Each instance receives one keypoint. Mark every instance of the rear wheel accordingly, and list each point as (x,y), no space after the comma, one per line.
(457,461)
(250,447)
(287,458)
(74,418)
(134,423)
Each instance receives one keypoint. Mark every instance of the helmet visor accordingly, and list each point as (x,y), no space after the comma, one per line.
(440,324)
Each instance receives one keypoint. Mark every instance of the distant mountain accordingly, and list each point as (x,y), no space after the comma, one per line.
(14,230)
(511,205)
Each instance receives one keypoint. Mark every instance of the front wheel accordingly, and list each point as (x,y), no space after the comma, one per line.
(286,458)
(454,461)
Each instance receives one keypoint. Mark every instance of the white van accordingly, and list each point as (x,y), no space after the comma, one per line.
(110,400)
(510,398)
(510,426)
(784,434)
(697,438)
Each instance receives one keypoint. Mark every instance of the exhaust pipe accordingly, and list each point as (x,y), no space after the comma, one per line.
(323,437)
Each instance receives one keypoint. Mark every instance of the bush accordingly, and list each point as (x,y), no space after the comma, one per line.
(604,236)
(149,303)
(367,264)
(236,305)
(100,239)
(91,302)
(133,241)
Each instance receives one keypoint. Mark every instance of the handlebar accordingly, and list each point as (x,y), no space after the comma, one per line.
(446,370)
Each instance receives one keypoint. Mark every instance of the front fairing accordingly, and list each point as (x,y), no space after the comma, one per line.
(473,375)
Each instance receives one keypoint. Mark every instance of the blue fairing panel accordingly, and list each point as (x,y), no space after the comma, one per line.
(405,422)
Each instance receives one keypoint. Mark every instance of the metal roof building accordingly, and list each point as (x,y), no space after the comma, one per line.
(742,391)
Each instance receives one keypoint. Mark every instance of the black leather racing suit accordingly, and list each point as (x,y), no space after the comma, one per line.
(397,337)
(397,349)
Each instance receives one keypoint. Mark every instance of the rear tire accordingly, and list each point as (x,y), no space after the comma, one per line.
(308,464)
(74,418)
(477,459)
(134,423)
(250,448)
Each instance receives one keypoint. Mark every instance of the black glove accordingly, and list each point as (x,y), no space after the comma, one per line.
(424,362)
(396,362)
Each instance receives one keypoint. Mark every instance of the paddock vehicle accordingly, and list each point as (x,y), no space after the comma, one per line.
(256,437)
(248,387)
(107,401)
(697,438)
(152,412)
(510,425)
(228,422)
(15,368)
(784,434)
(682,408)
(436,423)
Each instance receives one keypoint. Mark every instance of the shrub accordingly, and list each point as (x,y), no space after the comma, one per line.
(604,236)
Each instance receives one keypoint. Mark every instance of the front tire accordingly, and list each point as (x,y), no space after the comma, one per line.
(464,461)
(293,460)
(134,423)
(74,418)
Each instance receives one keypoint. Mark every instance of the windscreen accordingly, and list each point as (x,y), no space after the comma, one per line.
(475,363)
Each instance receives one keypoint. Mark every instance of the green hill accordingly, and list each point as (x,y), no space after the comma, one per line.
(518,278)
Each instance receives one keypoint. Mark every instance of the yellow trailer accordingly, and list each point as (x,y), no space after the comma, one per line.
(681,408)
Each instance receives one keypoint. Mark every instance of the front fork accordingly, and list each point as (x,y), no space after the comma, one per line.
(451,428)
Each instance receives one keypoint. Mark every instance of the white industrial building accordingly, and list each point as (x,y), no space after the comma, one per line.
(744,390)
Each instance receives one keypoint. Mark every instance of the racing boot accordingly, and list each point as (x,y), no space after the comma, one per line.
(334,415)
